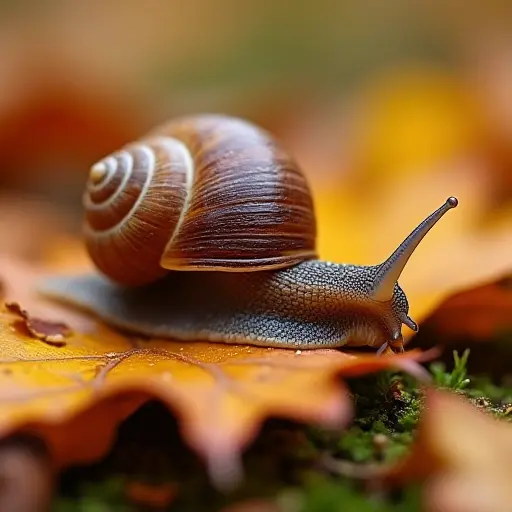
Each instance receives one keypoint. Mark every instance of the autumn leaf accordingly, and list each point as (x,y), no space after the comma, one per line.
(53,333)
(413,118)
(478,314)
(18,280)
(220,393)
(463,454)
(478,318)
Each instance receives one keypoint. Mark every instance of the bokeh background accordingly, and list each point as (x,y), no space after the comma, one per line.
(371,97)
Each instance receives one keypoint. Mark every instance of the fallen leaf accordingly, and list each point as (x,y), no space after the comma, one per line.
(478,318)
(18,280)
(463,453)
(477,314)
(53,333)
(220,393)
(411,119)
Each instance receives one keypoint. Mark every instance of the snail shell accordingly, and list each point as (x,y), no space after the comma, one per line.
(199,193)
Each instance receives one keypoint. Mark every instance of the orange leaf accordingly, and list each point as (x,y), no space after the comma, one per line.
(75,395)
(478,313)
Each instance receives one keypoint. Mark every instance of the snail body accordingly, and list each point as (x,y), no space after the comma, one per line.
(205,229)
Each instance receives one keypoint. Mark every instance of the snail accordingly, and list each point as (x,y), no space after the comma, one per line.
(204,229)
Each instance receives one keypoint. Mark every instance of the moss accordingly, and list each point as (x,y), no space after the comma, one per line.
(388,407)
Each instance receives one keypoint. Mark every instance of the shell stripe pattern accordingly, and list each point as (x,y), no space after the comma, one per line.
(199,193)
(250,208)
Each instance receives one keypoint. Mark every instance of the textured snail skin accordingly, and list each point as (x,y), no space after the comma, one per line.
(310,305)
(199,193)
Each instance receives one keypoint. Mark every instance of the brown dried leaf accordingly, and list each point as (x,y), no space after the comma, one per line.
(478,313)
(53,333)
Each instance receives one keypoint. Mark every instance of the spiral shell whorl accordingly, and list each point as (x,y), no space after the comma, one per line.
(133,202)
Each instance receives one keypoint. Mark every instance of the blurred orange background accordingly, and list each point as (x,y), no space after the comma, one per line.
(365,94)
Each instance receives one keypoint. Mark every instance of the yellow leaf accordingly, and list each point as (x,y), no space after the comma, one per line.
(414,118)
(75,395)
